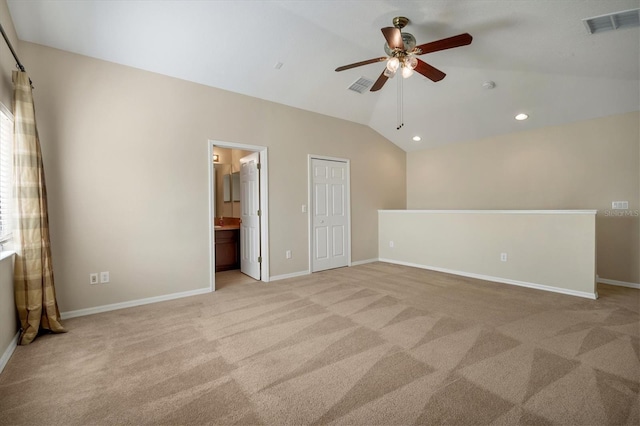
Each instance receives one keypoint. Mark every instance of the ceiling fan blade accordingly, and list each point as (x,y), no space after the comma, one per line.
(359,64)
(379,82)
(428,71)
(446,43)
(394,37)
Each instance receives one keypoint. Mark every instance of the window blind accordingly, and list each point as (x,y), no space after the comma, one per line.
(6,173)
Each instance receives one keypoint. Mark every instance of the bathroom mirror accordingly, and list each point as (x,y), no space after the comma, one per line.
(227,190)
(231,184)
(235,186)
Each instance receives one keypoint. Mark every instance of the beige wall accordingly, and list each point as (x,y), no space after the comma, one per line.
(584,165)
(126,157)
(547,250)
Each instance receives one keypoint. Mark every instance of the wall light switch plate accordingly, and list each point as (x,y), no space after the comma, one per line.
(619,205)
(104,277)
(93,278)
(503,257)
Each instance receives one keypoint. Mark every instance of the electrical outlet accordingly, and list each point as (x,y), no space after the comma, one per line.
(503,257)
(93,278)
(391,244)
(288,254)
(104,277)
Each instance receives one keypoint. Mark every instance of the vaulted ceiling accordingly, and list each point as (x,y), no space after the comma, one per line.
(538,52)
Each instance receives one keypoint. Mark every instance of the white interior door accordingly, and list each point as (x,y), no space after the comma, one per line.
(329,214)
(250,215)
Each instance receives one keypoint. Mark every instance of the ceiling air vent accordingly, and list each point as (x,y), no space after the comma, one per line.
(361,85)
(613,21)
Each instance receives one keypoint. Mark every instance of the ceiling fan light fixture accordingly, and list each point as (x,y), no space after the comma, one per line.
(388,50)
(409,41)
(393,64)
(401,50)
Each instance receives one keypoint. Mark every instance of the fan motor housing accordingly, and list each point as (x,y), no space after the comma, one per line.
(400,22)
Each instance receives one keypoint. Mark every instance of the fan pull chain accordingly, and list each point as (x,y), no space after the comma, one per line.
(400,113)
(398,105)
(401,102)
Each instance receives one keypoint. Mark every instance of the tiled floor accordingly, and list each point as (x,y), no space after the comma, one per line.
(233,277)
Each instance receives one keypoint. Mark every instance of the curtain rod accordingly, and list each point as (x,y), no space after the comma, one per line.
(13,52)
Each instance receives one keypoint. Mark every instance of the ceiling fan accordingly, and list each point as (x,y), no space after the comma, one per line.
(401,52)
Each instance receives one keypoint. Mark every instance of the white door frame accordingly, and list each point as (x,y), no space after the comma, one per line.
(310,203)
(264,207)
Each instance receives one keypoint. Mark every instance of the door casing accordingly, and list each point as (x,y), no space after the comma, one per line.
(264,207)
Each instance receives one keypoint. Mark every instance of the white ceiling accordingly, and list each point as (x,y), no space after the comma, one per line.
(538,52)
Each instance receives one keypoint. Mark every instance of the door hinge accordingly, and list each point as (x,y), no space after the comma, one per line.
(259,259)
(258,212)
(259,166)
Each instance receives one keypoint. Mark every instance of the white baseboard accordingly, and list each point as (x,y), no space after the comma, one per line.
(618,283)
(9,351)
(307,272)
(132,303)
(291,275)
(499,280)
(363,262)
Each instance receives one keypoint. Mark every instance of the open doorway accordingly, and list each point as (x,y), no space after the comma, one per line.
(238,213)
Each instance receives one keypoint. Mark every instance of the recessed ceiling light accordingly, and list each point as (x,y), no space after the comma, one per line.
(417,138)
(521,117)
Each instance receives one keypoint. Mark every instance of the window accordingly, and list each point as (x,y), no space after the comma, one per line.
(6,173)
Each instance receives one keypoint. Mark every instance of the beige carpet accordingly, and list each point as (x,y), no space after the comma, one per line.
(372,344)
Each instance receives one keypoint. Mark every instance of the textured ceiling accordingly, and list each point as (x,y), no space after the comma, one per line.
(538,52)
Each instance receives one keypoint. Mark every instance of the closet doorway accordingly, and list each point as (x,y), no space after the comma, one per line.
(238,213)
(329,213)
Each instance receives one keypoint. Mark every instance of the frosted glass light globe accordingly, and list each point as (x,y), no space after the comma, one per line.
(407,72)
(393,64)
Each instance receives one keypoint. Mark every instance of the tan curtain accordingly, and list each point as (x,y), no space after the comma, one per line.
(33,276)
